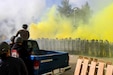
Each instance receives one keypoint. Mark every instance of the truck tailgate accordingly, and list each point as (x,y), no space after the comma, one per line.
(52,61)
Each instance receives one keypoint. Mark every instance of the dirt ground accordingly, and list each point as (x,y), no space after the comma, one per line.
(72,62)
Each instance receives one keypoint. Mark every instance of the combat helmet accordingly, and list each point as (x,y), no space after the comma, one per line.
(4,47)
(25,26)
(18,40)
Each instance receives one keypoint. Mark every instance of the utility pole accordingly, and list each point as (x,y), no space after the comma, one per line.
(75,10)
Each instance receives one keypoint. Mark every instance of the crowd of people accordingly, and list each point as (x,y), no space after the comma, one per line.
(14,57)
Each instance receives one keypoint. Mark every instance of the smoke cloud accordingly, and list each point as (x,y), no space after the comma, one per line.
(51,26)
(99,27)
(14,13)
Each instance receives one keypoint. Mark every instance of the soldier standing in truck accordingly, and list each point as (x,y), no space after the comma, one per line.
(24,33)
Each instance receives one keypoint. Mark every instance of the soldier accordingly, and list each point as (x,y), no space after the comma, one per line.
(10,65)
(21,52)
(24,33)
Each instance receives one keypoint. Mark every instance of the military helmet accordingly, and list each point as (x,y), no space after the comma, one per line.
(18,40)
(4,47)
(24,26)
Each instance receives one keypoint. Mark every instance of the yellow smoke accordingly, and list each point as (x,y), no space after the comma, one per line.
(100,26)
(53,26)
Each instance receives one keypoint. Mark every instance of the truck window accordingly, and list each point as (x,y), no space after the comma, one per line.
(29,45)
(35,47)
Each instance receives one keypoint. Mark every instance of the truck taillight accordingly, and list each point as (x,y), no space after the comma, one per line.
(36,64)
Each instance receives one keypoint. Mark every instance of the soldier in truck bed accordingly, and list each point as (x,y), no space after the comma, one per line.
(23,53)
(24,33)
(10,65)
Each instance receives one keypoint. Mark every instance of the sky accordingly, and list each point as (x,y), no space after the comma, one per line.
(14,13)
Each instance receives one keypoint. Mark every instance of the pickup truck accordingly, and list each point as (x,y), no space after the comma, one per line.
(48,62)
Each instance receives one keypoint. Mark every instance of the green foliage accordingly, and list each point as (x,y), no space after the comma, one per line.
(82,14)
(65,9)
(76,14)
(85,12)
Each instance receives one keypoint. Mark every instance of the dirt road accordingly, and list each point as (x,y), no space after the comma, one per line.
(72,61)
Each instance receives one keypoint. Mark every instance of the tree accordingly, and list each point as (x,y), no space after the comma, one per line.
(85,12)
(82,14)
(65,8)
(76,14)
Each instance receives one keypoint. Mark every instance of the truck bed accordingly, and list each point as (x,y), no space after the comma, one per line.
(50,60)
